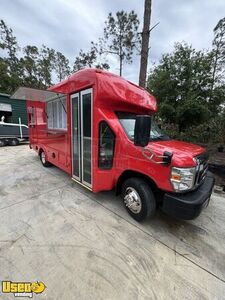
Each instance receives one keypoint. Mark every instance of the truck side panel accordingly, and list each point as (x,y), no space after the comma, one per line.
(55,143)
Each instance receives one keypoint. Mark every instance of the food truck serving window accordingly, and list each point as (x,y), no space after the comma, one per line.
(56,112)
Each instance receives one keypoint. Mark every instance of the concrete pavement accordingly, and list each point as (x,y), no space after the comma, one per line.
(86,246)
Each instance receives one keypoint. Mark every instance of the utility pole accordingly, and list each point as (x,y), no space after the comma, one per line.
(144,43)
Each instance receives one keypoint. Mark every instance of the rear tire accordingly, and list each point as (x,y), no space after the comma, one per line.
(138,199)
(13,142)
(44,162)
(3,143)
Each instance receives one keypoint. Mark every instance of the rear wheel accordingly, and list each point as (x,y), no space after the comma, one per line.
(44,162)
(138,199)
(3,143)
(13,142)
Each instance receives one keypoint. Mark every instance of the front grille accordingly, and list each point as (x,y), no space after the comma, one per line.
(202,167)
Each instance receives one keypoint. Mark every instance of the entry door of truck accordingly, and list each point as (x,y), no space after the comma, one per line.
(81,123)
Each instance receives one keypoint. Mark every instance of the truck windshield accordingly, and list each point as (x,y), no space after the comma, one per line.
(127,121)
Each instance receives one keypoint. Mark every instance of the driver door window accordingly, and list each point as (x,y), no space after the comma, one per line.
(106,146)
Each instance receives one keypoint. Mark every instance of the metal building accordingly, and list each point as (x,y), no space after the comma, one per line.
(12,109)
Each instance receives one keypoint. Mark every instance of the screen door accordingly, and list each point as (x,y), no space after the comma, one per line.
(81,110)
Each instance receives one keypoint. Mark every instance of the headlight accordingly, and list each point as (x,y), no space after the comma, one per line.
(182,179)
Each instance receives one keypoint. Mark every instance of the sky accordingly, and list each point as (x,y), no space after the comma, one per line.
(70,25)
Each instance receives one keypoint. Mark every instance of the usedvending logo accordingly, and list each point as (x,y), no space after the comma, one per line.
(23,289)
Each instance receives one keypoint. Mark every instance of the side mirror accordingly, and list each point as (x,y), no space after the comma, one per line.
(142,130)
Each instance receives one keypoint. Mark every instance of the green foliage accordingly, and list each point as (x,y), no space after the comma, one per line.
(29,61)
(218,50)
(85,59)
(91,58)
(46,63)
(9,63)
(5,79)
(210,132)
(219,128)
(38,67)
(41,67)
(121,36)
(191,113)
(167,113)
(32,67)
(8,41)
(217,64)
(183,74)
(189,88)
(61,66)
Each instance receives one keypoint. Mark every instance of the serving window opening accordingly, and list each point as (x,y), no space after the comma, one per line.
(56,114)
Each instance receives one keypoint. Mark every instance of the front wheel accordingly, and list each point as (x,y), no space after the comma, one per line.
(138,199)
(44,162)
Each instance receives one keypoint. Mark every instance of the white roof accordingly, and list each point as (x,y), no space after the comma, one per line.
(24,93)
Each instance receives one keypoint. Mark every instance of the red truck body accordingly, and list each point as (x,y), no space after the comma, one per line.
(94,98)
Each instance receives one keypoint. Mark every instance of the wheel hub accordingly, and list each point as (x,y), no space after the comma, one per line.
(132,200)
(43,157)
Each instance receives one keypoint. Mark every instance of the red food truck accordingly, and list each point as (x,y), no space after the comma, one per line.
(98,127)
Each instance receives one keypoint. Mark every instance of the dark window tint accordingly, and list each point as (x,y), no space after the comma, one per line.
(86,146)
(106,146)
(127,121)
(76,136)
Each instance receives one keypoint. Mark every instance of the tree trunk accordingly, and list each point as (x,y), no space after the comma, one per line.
(121,65)
(120,52)
(214,70)
(145,43)
(213,75)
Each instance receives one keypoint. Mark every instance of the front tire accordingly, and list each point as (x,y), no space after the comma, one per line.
(44,162)
(138,199)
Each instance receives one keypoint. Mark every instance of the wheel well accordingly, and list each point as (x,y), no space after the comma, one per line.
(39,151)
(128,174)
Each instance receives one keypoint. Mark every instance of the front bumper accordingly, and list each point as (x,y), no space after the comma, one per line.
(189,206)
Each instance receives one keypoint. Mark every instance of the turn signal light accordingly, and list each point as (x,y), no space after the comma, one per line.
(176,177)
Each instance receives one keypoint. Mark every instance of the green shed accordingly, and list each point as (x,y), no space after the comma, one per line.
(12,109)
